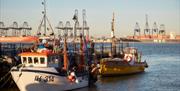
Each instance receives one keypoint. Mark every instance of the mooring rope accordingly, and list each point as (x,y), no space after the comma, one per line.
(5,81)
(4,76)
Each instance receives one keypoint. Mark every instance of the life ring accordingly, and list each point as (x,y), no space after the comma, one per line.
(128,58)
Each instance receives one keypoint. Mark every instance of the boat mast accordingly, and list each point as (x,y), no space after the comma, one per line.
(65,55)
(112,27)
(44,23)
(113,37)
(44,12)
(76,25)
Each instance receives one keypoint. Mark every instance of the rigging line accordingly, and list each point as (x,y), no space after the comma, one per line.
(39,28)
(4,76)
(50,25)
(52,31)
(5,82)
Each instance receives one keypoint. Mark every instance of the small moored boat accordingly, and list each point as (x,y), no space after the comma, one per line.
(129,64)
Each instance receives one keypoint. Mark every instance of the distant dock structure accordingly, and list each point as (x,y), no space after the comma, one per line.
(15,38)
(147,29)
(73,32)
(137,30)
(15,30)
(153,34)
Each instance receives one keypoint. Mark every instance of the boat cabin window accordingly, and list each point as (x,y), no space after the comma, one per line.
(24,60)
(29,60)
(36,60)
(42,60)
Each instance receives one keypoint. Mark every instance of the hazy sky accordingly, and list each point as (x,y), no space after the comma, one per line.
(98,12)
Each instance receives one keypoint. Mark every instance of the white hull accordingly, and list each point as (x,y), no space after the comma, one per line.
(44,79)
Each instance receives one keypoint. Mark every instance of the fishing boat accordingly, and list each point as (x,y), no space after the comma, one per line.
(39,73)
(44,70)
(129,64)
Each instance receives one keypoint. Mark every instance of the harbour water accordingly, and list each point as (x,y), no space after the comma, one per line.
(163,73)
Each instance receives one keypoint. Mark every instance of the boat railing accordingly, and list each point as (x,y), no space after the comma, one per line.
(104,50)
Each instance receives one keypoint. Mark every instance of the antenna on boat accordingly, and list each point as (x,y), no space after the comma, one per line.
(44,21)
